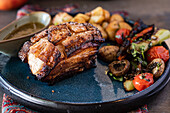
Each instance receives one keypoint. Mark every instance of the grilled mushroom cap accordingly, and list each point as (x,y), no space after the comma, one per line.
(119,68)
(157,66)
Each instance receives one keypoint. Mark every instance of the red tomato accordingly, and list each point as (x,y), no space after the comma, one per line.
(157,52)
(143,81)
(121,32)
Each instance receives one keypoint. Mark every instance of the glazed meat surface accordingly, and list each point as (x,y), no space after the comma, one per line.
(61,51)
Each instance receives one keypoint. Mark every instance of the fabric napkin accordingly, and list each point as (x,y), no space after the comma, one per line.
(8,104)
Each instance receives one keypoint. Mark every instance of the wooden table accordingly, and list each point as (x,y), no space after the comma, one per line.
(151,11)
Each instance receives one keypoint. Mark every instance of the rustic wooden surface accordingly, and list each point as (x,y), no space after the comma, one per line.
(151,11)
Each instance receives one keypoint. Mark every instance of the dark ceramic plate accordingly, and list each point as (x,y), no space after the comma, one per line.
(91,90)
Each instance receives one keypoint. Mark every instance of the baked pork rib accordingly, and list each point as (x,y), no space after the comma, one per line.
(61,51)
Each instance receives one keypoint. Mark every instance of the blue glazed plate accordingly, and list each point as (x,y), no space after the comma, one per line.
(90,90)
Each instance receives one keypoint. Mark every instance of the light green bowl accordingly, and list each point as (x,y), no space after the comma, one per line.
(11,47)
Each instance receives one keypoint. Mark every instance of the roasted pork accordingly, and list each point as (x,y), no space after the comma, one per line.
(61,51)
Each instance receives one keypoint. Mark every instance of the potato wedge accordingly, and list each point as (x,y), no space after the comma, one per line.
(61,17)
(111,30)
(128,85)
(116,17)
(104,34)
(108,53)
(125,25)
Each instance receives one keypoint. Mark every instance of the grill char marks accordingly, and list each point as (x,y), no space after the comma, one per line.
(24,51)
(62,50)
(58,33)
(77,63)
(39,36)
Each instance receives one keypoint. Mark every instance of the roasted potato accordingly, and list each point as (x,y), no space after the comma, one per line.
(106,15)
(97,12)
(85,17)
(97,16)
(61,17)
(104,34)
(116,17)
(111,30)
(125,25)
(108,53)
(105,24)
(128,85)
(96,19)
(88,14)
(78,19)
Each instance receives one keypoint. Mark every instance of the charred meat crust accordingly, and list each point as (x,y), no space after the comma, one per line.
(62,50)
(65,73)
(47,55)
(23,53)
(39,36)
(58,33)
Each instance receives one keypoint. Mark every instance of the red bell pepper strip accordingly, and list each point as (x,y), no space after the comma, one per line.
(142,33)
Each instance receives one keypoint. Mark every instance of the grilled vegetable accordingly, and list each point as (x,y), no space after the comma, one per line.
(121,34)
(119,68)
(137,27)
(156,38)
(117,78)
(157,67)
(139,56)
(128,85)
(157,52)
(108,53)
(160,36)
(143,81)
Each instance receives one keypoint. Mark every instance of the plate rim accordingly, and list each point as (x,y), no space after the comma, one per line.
(26,96)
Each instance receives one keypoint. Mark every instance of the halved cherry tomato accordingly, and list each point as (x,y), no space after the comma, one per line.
(121,32)
(143,81)
(157,52)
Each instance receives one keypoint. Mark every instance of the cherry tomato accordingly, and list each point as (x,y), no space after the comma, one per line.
(157,52)
(143,81)
(121,32)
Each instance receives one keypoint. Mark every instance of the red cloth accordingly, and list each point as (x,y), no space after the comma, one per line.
(10,106)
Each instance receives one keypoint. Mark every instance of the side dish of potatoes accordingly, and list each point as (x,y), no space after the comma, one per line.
(99,17)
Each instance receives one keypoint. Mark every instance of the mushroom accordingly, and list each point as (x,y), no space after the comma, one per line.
(108,53)
(157,66)
(119,68)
